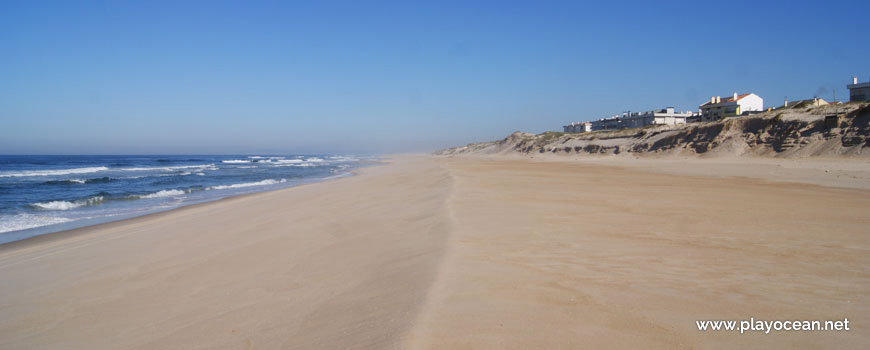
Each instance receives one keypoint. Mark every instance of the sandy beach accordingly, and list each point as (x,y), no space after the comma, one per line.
(459,252)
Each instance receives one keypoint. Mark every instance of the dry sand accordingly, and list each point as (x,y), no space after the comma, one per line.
(568,255)
(459,253)
(337,265)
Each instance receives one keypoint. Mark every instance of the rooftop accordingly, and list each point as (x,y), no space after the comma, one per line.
(727,99)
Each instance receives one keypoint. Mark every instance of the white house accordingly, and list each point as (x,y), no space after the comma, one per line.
(718,108)
(665,116)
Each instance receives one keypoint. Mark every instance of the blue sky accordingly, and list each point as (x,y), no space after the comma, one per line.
(112,77)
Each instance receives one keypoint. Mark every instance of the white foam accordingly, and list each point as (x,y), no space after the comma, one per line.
(54,172)
(343,158)
(163,193)
(236,161)
(248,184)
(78,181)
(171,168)
(25,221)
(288,161)
(314,160)
(67,205)
(300,163)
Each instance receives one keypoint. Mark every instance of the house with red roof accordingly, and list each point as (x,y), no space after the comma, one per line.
(718,107)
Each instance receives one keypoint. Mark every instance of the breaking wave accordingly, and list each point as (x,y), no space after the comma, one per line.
(79,181)
(254,159)
(163,193)
(55,172)
(171,168)
(248,184)
(25,221)
(343,159)
(59,172)
(67,205)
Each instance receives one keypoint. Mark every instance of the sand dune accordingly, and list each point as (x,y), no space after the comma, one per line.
(793,132)
(440,253)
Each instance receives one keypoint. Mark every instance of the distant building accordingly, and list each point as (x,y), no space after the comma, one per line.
(859,92)
(612,123)
(665,116)
(815,102)
(578,127)
(718,108)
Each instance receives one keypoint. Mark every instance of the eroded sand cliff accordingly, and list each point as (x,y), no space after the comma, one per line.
(794,132)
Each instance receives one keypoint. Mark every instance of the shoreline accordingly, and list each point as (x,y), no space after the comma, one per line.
(153,213)
(313,262)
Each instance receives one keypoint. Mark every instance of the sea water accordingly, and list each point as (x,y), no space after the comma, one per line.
(45,194)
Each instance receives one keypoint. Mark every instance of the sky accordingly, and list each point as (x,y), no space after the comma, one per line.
(285,77)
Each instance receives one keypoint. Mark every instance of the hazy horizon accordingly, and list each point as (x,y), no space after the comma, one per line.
(274,78)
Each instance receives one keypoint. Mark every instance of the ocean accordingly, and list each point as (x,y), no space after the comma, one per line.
(45,194)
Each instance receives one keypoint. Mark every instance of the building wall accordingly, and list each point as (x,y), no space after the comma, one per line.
(670,120)
(637,122)
(751,103)
(666,116)
(606,124)
(859,93)
(718,111)
(577,127)
(652,119)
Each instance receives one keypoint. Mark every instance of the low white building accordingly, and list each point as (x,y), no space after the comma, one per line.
(718,108)
(578,127)
(666,116)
